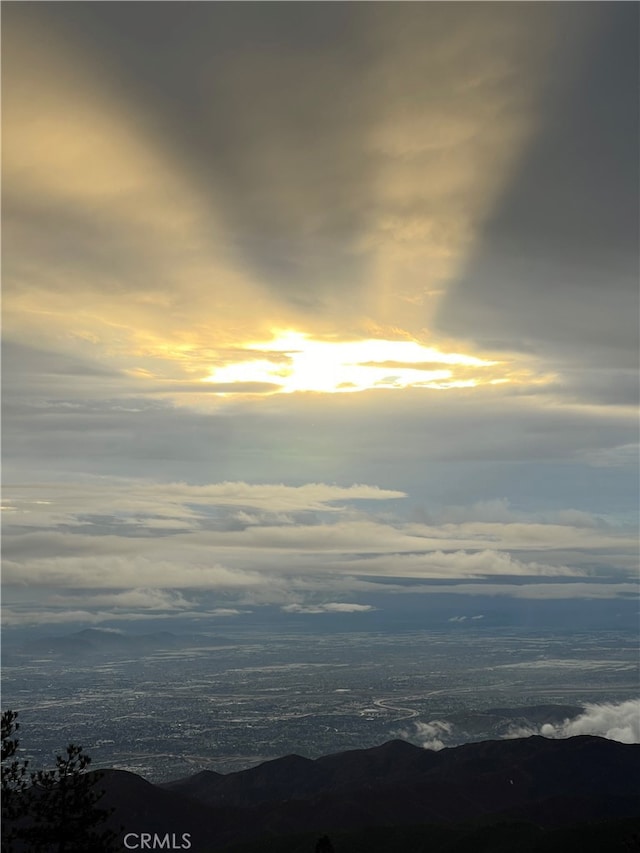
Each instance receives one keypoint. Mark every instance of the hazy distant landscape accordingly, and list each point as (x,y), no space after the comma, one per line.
(227,703)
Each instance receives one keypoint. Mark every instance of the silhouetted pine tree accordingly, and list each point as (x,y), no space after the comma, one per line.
(15,782)
(56,810)
(67,818)
(324,845)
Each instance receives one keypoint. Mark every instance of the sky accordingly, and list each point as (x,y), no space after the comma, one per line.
(320,311)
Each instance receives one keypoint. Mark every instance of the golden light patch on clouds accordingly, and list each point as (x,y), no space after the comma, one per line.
(110,250)
(461,101)
(332,366)
(69,142)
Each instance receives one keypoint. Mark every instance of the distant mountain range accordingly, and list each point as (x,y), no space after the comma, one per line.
(528,794)
(98,642)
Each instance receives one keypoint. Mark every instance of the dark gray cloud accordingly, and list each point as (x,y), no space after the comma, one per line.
(556,266)
(602,386)
(288,119)
(31,371)
(265,108)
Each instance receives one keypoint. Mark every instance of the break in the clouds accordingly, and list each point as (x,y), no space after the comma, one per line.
(305,299)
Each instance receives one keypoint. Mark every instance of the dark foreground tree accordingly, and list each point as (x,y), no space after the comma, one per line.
(324,845)
(55,811)
(15,782)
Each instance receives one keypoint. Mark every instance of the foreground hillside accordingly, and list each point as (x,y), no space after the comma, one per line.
(526,794)
(504,837)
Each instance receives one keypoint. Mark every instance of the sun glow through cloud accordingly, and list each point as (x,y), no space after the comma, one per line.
(295,362)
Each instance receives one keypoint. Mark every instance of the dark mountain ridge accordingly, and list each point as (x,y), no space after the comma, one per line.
(521,762)
(549,783)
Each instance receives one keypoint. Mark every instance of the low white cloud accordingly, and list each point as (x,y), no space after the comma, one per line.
(464,618)
(331,607)
(546,591)
(20,617)
(620,722)
(436,563)
(226,611)
(624,455)
(110,630)
(499,510)
(109,571)
(140,499)
(431,735)
(139,599)
(14,618)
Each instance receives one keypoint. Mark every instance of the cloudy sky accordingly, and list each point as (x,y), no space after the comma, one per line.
(317,308)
